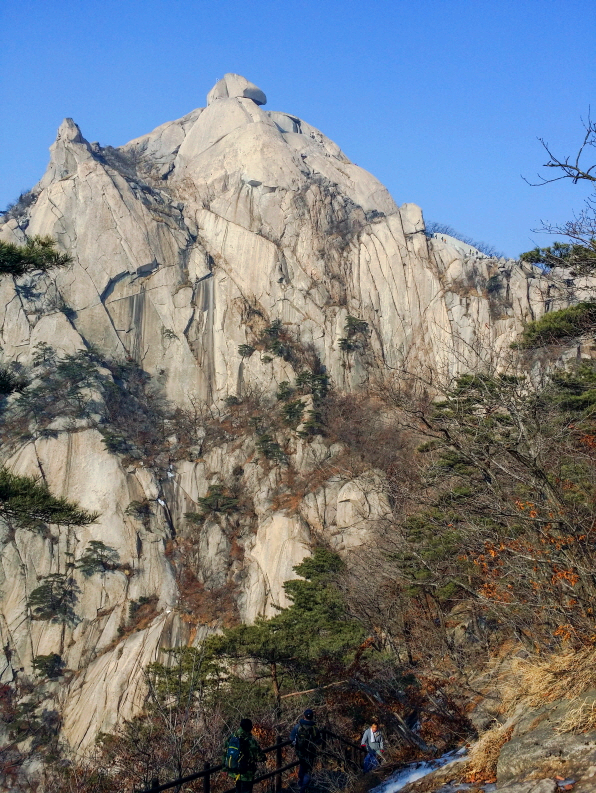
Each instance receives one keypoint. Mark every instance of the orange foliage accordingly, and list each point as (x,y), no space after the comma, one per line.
(564,575)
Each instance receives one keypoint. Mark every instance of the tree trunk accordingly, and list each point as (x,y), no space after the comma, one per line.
(276,691)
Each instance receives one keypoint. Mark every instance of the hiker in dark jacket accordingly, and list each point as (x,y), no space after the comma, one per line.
(306,738)
(373,742)
(241,755)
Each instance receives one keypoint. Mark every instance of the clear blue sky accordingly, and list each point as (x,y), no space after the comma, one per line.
(441,99)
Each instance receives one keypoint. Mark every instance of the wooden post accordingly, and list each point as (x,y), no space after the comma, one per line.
(154,782)
(207,778)
(278,764)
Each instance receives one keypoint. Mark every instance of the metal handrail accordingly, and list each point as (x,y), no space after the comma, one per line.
(345,740)
(209,770)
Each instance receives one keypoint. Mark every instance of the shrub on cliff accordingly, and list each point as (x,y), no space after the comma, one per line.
(11,380)
(18,209)
(118,397)
(98,558)
(292,413)
(270,449)
(557,326)
(49,666)
(141,510)
(357,332)
(218,500)
(315,383)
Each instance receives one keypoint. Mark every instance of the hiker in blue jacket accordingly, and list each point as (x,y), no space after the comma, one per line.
(306,738)
(373,742)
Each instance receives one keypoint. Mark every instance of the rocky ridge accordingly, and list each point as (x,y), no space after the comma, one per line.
(189,243)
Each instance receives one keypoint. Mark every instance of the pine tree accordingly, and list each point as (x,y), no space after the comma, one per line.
(98,558)
(38,253)
(54,600)
(49,666)
(28,504)
(310,638)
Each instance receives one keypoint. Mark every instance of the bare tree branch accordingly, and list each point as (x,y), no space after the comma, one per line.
(571,167)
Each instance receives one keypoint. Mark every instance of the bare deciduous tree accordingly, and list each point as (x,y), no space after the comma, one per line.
(580,254)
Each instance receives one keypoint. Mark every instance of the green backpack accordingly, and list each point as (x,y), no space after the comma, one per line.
(307,739)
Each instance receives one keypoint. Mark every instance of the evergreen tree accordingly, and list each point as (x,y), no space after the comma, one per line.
(563,254)
(38,253)
(311,639)
(10,380)
(28,504)
(181,680)
(54,600)
(98,558)
(49,666)
(218,499)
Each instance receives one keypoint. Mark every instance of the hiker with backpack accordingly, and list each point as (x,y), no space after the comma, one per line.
(373,742)
(241,755)
(306,738)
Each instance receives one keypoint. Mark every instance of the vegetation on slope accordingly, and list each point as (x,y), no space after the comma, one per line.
(558,326)
(117,397)
(579,258)
(503,530)
(198,694)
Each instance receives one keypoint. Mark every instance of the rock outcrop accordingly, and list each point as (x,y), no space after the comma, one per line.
(187,243)
(541,746)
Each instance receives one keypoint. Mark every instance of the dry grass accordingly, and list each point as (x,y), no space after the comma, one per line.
(531,683)
(481,765)
(199,605)
(296,487)
(580,717)
(565,676)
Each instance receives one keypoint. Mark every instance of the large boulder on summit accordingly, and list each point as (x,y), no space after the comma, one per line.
(233,86)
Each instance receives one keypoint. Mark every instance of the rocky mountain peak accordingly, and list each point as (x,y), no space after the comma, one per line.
(70,131)
(68,150)
(224,258)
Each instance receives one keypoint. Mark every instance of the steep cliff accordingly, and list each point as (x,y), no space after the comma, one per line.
(214,259)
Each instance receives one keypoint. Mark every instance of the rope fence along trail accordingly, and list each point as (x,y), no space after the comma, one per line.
(335,752)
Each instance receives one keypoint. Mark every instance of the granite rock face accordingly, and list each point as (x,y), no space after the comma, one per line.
(186,243)
(537,745)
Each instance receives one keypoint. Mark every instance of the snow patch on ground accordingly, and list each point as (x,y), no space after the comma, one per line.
(415,771)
